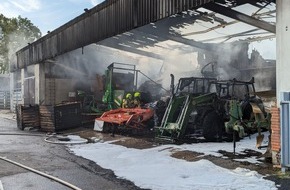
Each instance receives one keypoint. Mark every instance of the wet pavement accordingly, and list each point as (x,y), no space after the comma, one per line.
(52,159)
(55,160)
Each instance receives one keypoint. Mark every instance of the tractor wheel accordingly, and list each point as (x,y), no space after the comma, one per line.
(212,127)
(247,110)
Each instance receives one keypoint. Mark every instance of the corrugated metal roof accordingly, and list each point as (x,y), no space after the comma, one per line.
(110,18)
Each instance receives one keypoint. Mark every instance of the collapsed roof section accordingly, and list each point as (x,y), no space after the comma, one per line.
(114,17)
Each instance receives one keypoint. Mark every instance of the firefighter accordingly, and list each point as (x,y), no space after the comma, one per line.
(128,102)
(137,100)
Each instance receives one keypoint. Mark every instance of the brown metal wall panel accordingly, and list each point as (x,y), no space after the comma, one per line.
(103,21)
(87,31)
(54,45)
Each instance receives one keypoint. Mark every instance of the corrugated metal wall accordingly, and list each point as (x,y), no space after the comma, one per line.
(103,21)
(4,99)
(16,98)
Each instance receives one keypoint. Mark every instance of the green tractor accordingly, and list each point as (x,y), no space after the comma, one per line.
(119,79)
(212,109)
(194,109)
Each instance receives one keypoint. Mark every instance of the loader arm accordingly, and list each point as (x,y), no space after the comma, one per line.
(176,117)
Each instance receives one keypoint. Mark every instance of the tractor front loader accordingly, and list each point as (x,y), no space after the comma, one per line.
(178,115)
(192,109)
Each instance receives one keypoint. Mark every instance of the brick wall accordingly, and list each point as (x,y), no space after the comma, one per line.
(275,136)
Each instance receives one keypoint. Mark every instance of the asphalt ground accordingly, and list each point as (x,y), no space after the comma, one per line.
(52,159)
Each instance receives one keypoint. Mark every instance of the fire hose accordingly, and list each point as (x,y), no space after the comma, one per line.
(82,141)
(42,174)
(39,172)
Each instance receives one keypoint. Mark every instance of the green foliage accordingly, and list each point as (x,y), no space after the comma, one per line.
(15,33)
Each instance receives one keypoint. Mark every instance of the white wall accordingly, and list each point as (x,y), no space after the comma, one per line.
(283,48)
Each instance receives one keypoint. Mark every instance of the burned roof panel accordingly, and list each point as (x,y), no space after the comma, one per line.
(103,21)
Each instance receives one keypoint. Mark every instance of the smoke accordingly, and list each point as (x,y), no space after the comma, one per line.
(238,62)
(88,61)
(17,41)
(180,65)
(84,64)
(265,75)
(231,58)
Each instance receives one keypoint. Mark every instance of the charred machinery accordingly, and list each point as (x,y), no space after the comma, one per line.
(212,109)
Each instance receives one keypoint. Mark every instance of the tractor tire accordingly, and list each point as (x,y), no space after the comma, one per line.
(246,110)
(213,127)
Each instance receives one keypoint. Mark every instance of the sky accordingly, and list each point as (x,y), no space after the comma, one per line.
(155,169)
(47,15)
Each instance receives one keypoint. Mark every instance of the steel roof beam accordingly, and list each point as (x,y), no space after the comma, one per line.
(130,49)
(241,17)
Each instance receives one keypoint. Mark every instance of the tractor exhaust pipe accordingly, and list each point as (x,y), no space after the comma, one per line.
(172,84)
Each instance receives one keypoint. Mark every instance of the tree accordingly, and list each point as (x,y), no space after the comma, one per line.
(15,33)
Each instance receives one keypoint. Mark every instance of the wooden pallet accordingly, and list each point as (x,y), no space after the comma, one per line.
(27,116)
(47,121)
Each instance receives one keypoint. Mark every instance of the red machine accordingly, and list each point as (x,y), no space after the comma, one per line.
(129,117)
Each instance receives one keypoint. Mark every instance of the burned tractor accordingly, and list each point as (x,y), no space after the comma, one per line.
(246,111)
(194,109)
(215,110)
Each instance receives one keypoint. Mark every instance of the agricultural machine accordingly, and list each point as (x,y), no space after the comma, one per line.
(212,109)
(122,79)
(119,79)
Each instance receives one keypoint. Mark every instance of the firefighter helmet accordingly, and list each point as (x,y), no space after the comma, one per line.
(129,96)
(137,95)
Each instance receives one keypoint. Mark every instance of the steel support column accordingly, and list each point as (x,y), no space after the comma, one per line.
(285,130)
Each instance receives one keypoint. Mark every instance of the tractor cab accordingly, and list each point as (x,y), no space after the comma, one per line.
(120,79)
(195,86)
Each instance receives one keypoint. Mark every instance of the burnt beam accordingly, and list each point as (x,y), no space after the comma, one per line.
(166,35)
(241,17)
(122,47)
(200,45)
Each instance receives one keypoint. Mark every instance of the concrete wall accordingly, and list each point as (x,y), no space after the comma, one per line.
(282,71)
(283,47)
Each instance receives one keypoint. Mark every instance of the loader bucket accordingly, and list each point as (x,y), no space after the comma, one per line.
(259,140)
(268,153)
(260,120)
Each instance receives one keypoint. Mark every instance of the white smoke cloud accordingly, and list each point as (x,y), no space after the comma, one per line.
(17,41)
